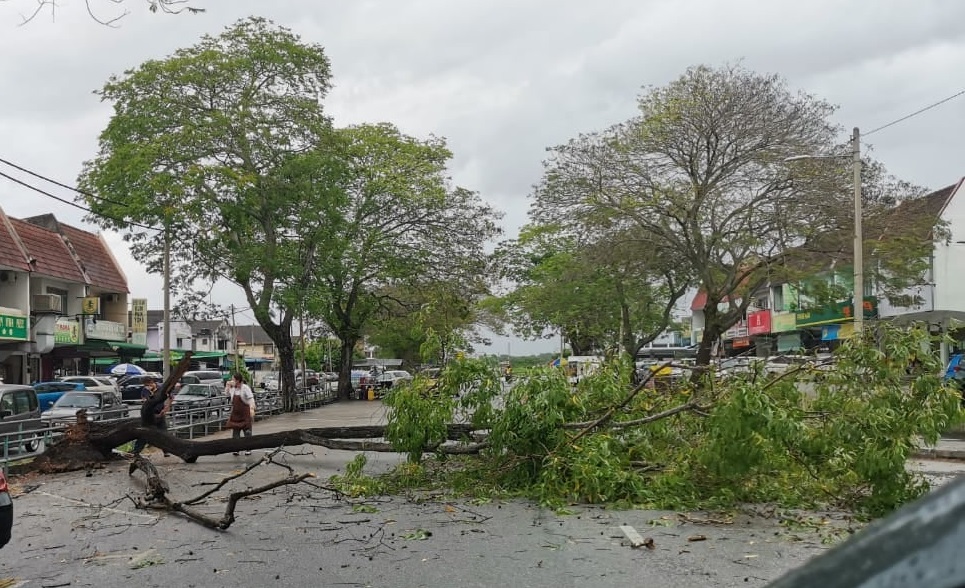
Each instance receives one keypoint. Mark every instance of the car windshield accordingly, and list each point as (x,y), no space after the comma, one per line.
(78,400)
(193,390)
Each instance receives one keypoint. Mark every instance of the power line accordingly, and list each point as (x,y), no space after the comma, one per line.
(62,185)
(916,113)
(74,204)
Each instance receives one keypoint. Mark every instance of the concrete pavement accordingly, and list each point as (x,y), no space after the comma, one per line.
(946,448)
(83,530)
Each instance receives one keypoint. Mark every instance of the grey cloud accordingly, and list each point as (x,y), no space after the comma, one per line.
(504,79)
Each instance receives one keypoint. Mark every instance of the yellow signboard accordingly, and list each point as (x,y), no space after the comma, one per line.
(91,305)
(139,321)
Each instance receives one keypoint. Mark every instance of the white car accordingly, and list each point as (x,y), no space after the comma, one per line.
(92,383)
(393,378)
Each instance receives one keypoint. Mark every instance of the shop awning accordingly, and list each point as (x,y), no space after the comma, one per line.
(177,354)
(128,349)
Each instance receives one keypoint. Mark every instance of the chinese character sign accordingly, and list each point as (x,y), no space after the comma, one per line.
(139,321)
(13,327)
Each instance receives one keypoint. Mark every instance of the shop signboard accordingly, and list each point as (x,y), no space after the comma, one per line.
(105,331)
(139,321)
(67,332)
(835,313)
(13,327)
(759,322)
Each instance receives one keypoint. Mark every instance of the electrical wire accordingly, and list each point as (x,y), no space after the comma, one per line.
(74,204)
(62,185)
(916,113)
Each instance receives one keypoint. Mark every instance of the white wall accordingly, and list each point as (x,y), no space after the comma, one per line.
(15,291)
(949,261)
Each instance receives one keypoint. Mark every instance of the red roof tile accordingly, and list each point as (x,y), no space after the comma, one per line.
(11,255)
(98,260)
(48,249)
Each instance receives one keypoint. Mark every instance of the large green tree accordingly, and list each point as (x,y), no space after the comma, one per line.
(601,291)
(704,171)
(212,145)
(397,225)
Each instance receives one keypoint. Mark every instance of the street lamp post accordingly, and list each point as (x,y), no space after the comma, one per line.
(858,296)
(858,240)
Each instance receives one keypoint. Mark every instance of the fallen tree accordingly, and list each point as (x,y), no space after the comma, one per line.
(814,434)
(86,444)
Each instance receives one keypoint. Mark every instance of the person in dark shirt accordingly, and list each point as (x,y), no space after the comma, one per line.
(153,411)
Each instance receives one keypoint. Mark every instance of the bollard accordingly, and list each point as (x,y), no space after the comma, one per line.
(918,545)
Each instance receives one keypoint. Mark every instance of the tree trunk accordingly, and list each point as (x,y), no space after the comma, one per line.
(86,444)
(711,334)
(345,389)
(286,351)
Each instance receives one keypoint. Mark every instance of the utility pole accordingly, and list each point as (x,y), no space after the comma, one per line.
(234,335)
(301,337)
(166,353)
(858,239)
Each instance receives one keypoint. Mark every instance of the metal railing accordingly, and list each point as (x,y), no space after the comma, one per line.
(28,439)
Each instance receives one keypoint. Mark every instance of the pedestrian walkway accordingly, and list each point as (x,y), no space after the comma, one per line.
(946,448)
(346,413)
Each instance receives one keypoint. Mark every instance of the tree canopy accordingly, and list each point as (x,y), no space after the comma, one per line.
(703,171)
(225,148)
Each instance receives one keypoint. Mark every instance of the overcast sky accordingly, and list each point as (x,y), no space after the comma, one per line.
(500,79)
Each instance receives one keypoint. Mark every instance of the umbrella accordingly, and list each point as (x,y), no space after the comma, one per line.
(127,369)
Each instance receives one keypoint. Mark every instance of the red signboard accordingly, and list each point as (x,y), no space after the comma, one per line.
(759,323)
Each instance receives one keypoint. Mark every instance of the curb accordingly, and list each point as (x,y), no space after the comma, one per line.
(952,454)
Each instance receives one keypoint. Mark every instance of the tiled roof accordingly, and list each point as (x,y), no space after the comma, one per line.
(47,248)
(197,327)
(926,210)
(154,318)
(253,335)
(99,262)
(11,255)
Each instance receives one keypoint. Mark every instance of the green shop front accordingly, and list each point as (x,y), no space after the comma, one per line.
(830,325)
(83,346)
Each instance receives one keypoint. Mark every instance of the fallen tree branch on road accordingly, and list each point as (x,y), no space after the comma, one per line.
(157,496)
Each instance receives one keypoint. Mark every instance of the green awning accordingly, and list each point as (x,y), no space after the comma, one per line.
(177,354)
(129,349)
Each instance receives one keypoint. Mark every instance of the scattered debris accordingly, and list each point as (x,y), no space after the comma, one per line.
(636,540)
(697,538)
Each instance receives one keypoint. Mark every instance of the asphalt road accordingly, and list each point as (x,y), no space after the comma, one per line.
(84,531)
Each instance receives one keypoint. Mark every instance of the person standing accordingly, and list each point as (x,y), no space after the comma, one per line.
(242,413)
(153,411)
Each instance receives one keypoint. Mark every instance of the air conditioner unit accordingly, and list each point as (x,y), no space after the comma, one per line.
(47,303)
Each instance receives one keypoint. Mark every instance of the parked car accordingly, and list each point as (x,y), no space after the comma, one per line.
(311,379)
(193,397)
(130,387)
(207,376)
(20,411)
(101,406)
(50,392)
(6,511)
(392,378)
(271,382)
(100,384)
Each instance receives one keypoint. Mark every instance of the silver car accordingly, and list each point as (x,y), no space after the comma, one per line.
(99,405)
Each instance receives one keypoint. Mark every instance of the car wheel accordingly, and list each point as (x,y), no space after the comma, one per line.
(32,446)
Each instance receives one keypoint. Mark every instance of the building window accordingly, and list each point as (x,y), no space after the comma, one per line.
(204,342)
(268,349)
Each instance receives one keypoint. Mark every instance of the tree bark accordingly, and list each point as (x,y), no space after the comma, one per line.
(87,444)
(345,388)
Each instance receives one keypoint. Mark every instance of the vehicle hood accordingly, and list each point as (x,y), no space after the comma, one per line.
(64,413)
